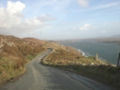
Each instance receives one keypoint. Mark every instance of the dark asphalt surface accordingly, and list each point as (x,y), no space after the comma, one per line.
(40,77)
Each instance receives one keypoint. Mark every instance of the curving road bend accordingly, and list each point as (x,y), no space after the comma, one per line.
(40,77)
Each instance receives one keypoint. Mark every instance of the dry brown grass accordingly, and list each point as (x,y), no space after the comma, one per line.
(15,53)
(70,56)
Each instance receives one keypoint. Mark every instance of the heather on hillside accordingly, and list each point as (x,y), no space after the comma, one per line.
(15,53)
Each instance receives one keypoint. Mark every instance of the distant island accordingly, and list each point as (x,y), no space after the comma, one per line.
(110,39)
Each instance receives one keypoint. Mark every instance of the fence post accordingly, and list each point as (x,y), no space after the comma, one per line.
(96,57)
(118,63)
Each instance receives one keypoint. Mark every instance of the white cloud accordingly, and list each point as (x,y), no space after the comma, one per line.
(46,17)
(15,7)
(83,3)
(86,27)
(108,5)
(12,20)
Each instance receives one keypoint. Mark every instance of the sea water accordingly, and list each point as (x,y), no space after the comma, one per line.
(106,51)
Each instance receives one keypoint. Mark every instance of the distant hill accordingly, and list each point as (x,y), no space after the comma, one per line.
(19,46)
(112,39)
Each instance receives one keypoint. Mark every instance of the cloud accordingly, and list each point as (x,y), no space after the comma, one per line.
(12,20)
(15,7)
(103,6)
(108,5)
(86,27)
(83,3)
(46,17)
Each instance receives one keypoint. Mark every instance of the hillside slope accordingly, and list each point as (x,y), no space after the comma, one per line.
(15,53)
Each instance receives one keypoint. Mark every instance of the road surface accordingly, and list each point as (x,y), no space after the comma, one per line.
(40,77)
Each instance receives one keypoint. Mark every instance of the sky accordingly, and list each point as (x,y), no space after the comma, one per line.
(60,19)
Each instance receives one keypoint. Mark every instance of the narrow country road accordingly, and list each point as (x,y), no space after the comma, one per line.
(40,77)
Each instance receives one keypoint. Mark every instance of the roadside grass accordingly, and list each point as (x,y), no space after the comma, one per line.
(87,66)
(30,57)
(14,54)
(9,69)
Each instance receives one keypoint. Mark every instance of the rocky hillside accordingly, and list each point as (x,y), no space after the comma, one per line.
(14,53)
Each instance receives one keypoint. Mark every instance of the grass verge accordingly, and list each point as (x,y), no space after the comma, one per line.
(9,69)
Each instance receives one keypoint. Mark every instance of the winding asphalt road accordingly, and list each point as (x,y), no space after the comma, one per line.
(40,77)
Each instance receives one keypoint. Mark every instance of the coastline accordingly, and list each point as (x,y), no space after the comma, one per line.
(99,58)
(83,53)
(97,70)
(107,52)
